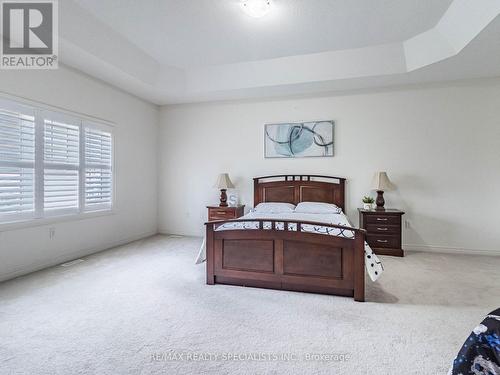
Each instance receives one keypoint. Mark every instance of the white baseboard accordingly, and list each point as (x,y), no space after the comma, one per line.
(406,247)
(180,233)
(72,256)
(450,250)
(88,251)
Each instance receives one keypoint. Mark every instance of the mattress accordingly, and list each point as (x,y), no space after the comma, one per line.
(373,264)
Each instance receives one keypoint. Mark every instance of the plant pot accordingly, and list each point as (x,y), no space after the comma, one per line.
(367,206)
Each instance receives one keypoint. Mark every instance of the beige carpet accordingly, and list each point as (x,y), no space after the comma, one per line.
(144,308)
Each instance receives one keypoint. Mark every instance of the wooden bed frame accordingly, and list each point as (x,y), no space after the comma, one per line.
(284,256)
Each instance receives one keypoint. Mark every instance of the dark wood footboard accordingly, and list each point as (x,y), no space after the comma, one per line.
(282,255)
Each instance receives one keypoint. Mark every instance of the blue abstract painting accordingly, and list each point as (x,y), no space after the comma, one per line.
(298,140)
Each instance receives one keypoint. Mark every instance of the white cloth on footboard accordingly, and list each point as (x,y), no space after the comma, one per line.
(372,262)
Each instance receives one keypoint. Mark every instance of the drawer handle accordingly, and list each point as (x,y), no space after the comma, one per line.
(220,212)
(382,228)
(380,219)
(382,241)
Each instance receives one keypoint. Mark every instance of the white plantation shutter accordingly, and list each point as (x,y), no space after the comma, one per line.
(61,164)
(98,168)
(62,142)
(52,163)
(60,190)
(17,192)
(17,161)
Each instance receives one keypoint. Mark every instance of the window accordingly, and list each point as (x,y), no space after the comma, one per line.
(52,164)
(17,162)
(98,173)
(61,164)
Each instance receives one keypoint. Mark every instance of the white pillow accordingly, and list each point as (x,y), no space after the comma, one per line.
(317,208)
(274,208)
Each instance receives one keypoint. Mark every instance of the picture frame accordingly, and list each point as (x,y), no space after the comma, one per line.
(299,139)
(233,198)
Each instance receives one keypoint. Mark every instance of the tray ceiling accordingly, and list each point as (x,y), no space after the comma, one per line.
(173,51)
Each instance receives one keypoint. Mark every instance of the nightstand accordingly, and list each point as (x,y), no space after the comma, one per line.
(225,213)
(383,229)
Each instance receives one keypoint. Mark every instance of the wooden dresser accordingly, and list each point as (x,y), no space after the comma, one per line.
(224,213)
(383,228)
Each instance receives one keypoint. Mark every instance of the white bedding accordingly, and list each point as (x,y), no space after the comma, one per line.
(372,262)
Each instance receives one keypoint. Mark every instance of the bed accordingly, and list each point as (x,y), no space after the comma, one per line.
(307,253)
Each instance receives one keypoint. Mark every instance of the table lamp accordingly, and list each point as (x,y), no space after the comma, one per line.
(223,183)
(381,183)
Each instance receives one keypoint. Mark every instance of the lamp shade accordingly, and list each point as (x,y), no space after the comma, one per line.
(224,182)
(381,182)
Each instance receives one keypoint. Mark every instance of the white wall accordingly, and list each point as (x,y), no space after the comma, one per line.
(135,214)
(439,145)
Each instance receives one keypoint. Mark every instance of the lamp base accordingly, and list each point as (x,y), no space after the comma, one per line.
(380,201)
(223,198)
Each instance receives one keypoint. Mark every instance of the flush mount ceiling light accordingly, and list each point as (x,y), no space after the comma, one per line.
(256,8)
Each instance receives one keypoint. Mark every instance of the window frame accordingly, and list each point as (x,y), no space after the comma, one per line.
(39,216)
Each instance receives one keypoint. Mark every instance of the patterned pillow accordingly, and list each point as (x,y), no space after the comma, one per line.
(274,208)
(317,208)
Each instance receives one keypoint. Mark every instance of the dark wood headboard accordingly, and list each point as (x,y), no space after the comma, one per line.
(299,188)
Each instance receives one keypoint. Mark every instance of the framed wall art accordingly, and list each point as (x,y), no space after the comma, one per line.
(299,139)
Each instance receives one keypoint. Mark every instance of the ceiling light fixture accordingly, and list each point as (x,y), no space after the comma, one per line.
(256,8)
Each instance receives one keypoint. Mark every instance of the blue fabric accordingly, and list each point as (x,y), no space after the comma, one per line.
(480,354)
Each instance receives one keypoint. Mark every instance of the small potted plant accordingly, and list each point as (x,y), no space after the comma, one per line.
(368,202)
